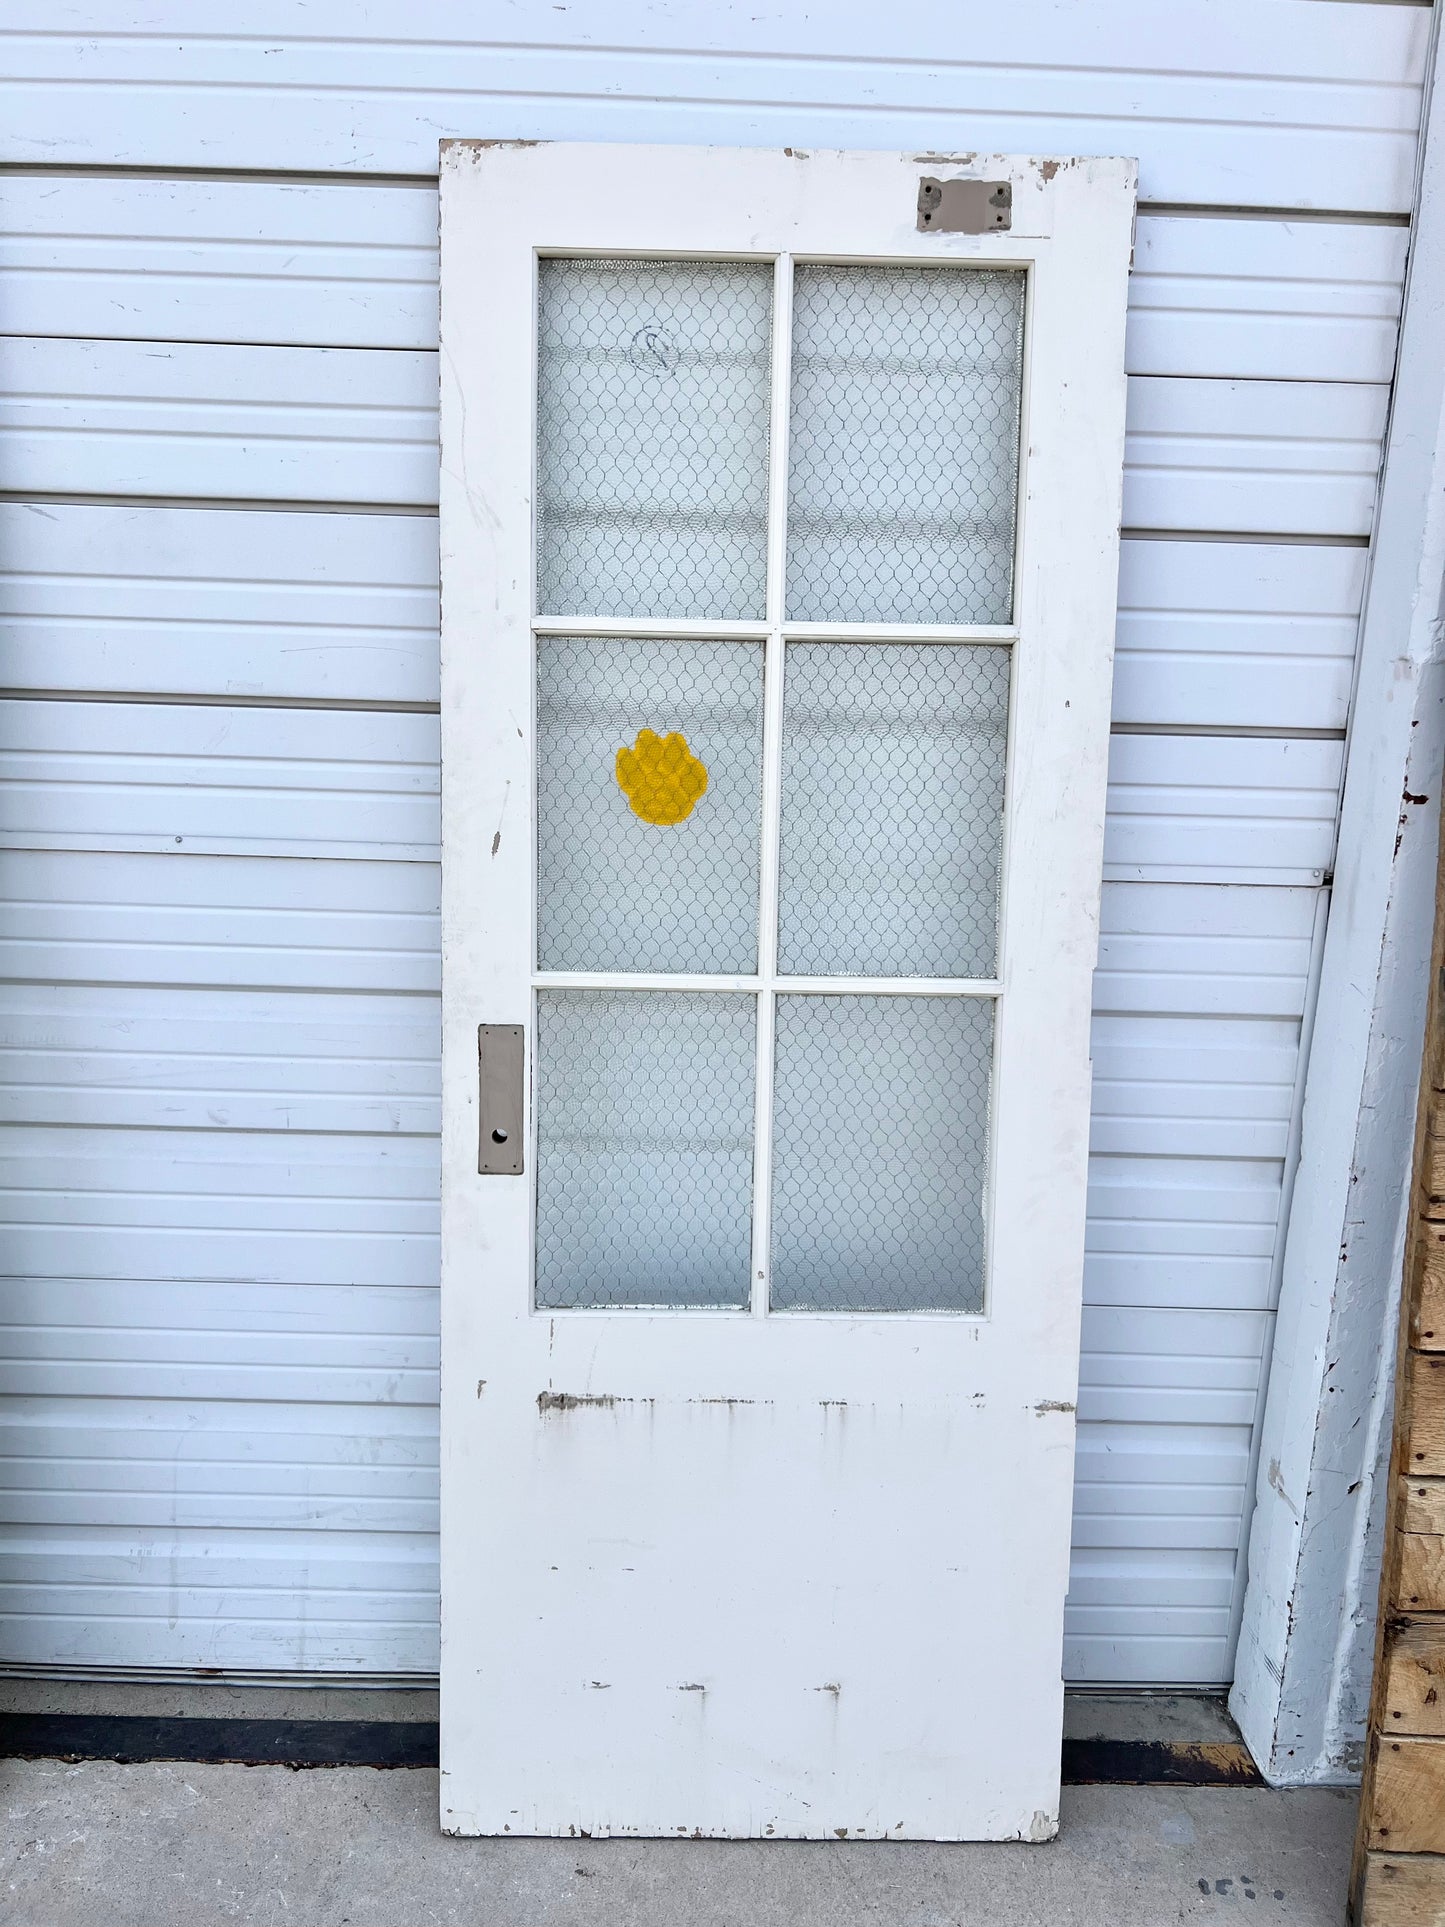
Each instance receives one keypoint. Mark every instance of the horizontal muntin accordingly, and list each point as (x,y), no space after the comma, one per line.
(785,986)
(693,629)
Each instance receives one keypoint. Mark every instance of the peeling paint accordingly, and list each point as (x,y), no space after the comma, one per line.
(478,147)
(574,1401)
(1055,1405)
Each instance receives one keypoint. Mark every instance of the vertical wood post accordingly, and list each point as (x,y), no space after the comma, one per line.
(1302,1679)
(1399,1873)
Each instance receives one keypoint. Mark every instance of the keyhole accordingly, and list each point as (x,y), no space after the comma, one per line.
(499,1137)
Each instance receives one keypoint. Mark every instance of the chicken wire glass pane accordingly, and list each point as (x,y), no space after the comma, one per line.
(649,762)
(880,1153)
(904,444)
(893,784)
(644,1148)
(652,454)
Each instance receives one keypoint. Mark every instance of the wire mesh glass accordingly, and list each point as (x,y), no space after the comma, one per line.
(904,445)
(644,1148)
(880,1157)
(652,453)
(661,874)
(892,809)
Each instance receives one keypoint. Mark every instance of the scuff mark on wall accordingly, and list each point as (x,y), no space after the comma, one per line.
(1276,1479)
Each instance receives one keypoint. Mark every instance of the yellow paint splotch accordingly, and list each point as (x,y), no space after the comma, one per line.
(660,777)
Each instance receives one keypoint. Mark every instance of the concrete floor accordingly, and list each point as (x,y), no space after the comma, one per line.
(185,1846)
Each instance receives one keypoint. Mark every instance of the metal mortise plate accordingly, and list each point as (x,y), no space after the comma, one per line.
(964,207)
(501,1075)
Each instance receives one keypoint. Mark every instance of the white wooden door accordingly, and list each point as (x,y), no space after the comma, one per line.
(780,499)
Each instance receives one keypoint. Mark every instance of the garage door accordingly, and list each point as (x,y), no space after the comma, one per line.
(218,850)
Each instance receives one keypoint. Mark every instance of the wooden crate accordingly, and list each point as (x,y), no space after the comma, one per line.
(1399,1873)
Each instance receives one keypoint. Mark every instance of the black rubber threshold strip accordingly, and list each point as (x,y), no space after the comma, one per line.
(129,1739)
(1159,1763)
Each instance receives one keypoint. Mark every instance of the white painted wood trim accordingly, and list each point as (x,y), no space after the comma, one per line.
(1303,1672)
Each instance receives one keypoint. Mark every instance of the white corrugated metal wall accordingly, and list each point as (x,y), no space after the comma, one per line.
(219,290)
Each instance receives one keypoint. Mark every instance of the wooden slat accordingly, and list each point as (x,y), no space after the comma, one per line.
(1414,1702)
(1409,1797)
(1427,1331)
(1403,1890)
(1421,1505)
(1402,1801)
(1434,1174)
(1425,1391)
(1422,1572)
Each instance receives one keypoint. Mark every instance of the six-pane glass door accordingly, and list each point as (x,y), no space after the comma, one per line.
(776,529)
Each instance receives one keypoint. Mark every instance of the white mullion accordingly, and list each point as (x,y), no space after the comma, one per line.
(999,636)
(751,986)
(650,628)
(781,399)
(890,986)
(643,980)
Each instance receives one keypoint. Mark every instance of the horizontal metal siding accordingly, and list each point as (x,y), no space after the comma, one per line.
(223,1443)
(1260,102)
(253,604)
(231,1253)
(266,604)
(1200,994)
(220,1435)
(344,425)
(356,267)
(254,781)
